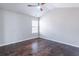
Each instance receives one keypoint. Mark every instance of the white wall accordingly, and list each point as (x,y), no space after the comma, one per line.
(1,28)
(61,25)
(17,27)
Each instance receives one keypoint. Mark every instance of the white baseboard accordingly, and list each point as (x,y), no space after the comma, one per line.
(17,41)
(60,41)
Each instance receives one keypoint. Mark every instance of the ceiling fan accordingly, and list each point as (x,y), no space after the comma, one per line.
(37,5)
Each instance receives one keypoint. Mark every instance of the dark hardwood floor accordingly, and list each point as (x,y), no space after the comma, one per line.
(38,47)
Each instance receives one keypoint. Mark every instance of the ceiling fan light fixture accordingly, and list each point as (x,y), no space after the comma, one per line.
(38,7)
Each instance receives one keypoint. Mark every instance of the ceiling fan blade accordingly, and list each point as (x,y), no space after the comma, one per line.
(31,5)
(41,9)
(43,3)
(39,4)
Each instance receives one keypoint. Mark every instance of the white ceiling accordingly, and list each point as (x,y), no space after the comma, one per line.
(34,11)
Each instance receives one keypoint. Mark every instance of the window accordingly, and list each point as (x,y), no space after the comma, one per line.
(34,26)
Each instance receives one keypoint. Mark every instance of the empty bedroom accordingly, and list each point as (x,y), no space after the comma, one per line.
(39,29)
